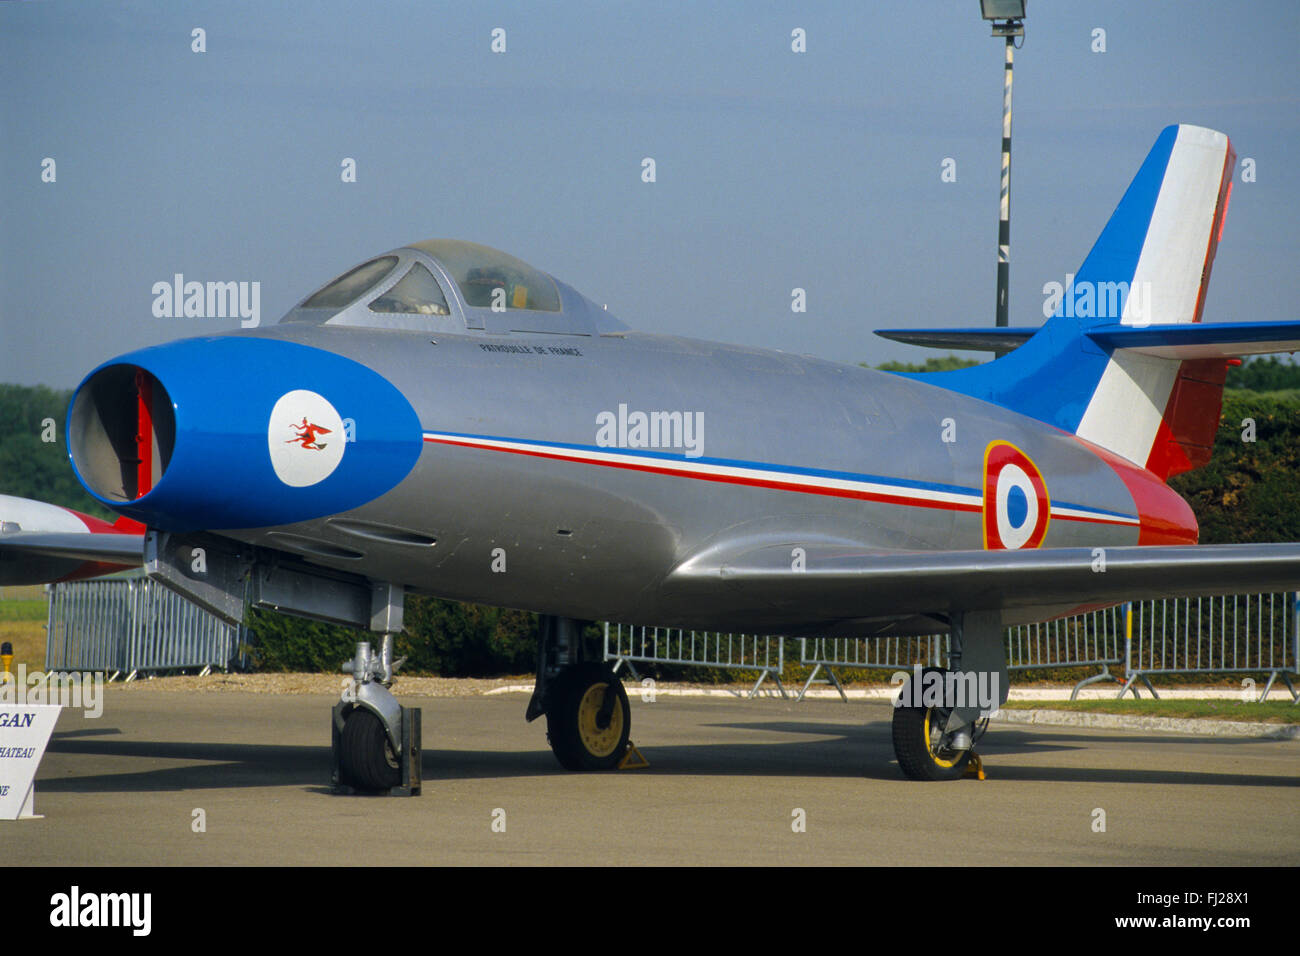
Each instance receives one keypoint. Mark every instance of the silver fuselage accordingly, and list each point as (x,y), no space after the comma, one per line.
(590,540)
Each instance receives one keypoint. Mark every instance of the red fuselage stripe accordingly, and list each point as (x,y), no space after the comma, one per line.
(761,482)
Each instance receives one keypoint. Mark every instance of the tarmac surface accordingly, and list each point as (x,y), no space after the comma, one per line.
(726,784)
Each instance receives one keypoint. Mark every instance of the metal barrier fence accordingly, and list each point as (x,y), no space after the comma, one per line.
(1092,639)
(897,653)
(1236,634)
(626,644)
(135,625)
(1246,634)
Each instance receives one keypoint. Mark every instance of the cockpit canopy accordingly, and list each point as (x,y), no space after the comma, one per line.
(448,285)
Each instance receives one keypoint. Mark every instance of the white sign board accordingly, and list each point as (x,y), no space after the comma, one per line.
(24,732)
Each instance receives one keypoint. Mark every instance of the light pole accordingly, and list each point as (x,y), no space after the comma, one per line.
(1007,17)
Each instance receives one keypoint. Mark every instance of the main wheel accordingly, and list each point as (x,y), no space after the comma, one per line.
(920,743)
(366,754)
(587,729)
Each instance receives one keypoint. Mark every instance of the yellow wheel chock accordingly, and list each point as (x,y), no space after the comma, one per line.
(633,759)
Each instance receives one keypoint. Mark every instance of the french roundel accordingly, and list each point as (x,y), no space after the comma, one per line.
(1016,506)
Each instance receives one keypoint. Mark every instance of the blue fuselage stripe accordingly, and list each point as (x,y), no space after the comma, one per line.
(681,462)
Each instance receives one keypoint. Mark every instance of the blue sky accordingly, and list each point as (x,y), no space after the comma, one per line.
(775,170)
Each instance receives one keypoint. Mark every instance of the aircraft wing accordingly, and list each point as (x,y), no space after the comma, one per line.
(42,542)
(109,547)
(37,557)
(842,584)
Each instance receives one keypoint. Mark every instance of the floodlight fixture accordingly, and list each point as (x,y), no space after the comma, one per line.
(1006,16)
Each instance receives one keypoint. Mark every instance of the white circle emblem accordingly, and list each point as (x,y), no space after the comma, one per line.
(305,437)
(1015,535)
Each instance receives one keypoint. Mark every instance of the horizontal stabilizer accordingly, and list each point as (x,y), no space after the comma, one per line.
(1201,340)
(970,340)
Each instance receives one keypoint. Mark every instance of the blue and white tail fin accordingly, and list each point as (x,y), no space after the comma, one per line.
(1124,362)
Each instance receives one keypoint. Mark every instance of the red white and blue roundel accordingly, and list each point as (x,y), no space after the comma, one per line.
(1016,507)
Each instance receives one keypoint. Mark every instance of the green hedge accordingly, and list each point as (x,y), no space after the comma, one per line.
(1249,491)
(441,637)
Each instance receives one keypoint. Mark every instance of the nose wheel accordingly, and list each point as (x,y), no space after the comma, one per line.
(366,754)
(588,718)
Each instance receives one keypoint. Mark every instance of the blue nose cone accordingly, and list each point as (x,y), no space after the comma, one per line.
(238,432)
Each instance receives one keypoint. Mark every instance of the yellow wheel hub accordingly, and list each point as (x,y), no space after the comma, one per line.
(933,740)
(599,742)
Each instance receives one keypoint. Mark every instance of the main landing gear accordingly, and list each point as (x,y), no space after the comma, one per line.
(941,714)
(588,718)
(926,749)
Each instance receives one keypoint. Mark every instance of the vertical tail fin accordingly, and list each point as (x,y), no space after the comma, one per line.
(1150,266)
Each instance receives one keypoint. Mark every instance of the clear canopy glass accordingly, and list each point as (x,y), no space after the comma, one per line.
(348,287)
(488,278)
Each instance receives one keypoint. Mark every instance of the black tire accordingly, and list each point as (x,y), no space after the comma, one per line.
(572,718)
(917,743)
(366,754)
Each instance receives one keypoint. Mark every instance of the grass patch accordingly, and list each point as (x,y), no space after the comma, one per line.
(1268,712)
(25,610)
(28,639)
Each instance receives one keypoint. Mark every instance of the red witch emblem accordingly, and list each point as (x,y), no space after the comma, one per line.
(307,433)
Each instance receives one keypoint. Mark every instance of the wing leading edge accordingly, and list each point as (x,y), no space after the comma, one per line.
(36,557)
(839,586)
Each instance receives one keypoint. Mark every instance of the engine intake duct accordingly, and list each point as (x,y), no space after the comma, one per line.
(121,432)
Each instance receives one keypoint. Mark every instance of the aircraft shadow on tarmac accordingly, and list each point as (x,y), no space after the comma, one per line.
(845,751)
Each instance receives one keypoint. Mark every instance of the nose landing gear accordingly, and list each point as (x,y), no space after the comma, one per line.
(375,740)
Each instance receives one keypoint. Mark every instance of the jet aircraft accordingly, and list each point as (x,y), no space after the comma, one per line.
(446,419)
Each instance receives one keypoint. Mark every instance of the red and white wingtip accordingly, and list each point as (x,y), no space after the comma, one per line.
(42,542)
(25,514)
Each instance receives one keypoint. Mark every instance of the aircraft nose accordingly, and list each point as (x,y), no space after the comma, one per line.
(238,432)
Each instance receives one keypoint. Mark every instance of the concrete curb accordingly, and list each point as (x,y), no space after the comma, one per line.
(888,693)
(1166,725)
(1052,718)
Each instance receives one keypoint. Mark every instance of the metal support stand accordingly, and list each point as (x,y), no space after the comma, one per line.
(1136,676)
(1095,678)
(620,662)
(753,691)
(830,678)
(1272,679)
